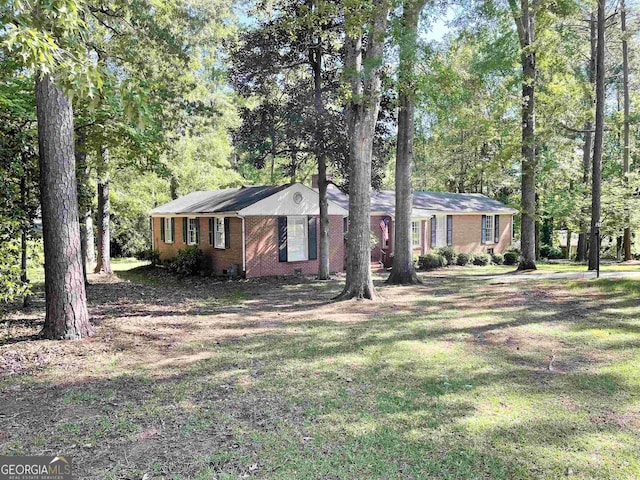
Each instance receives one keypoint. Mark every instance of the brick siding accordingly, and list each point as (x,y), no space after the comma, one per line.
(263,254)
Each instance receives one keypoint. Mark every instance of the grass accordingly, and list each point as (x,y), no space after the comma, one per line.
(453,379)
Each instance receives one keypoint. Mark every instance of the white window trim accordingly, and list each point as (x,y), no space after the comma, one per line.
(218,227)
(166,224)
(190,230)
(419,224)
(489,236)
(305,231)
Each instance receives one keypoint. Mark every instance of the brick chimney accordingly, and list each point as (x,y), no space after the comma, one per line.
(314,181)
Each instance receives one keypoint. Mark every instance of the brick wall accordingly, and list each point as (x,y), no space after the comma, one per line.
(221,258)
(467,234)
(263,254)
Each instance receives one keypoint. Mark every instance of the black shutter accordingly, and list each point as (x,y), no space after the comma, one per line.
(282,239)
(162,237)
(227,233)
(197,231)
(496,228)
(173,229)
(449,230)
(483,238)
(313,238)
(185,220)
(211,224)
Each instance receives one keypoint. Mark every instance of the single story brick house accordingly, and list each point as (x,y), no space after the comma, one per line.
(468,222)
(261,231)
(266,230)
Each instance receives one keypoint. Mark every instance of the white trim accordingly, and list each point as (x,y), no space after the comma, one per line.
(197,214)
(305,232)
(195,232)
(164,227)
(216,221)
(419,224)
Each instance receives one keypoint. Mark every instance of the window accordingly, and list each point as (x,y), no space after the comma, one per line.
(487,229)
(416,236)
(192,232)
(450,230)
(168,230)
(218,232)
(297,242)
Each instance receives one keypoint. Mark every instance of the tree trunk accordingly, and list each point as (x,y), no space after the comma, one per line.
(173,187)
(66,302)
(525,24)
(82,180)
(362,114)
(103,263)
(596,176)
(568,252)
(626,147)
(315,57)
(404,271)
(581,254)
(24,279)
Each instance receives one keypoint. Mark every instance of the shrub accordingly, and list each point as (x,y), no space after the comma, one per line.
(550,252)
(448,253)
(149,255)
(463,259)
(431,260)
(497,258)
(511,258)
(481,259)
(189,261)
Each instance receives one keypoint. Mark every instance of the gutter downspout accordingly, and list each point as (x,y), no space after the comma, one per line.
(244,247)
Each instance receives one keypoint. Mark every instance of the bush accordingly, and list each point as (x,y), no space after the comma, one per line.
(511,258)
(481,259)
(430,261)
(149,255)
(550,252)
(463,259)
(497,258)
(448,253)
(189,261)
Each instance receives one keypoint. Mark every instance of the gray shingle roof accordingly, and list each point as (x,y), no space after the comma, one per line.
(218,201)
(384,201)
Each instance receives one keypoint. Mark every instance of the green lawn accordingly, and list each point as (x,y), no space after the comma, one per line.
(452,379)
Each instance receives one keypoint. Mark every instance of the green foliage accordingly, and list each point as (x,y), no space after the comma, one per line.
(190,261)
(149,255)
(463,259)
(431,261)
(511,258)
(550,252)
(481,259)
(448,253)
(497,258)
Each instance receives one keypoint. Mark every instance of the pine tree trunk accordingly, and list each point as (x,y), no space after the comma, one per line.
(596,176)
(583,243)
(103,215)
(82,180)
(525,23)
(362,114)
(626,147)
(404,271)
(66,303)
(568,252)
(315,57)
